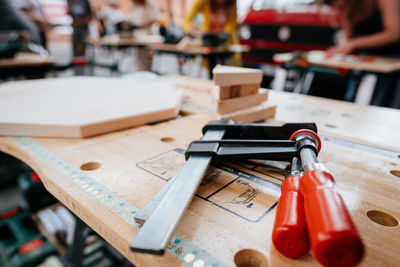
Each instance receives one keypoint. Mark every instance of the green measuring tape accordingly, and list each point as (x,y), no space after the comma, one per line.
(183,249)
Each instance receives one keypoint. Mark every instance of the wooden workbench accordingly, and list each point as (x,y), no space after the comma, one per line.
(26,64)
(105,179)
(198,50)
(214,55)
(116,41)
(25,59)
(367,72)
(376,64)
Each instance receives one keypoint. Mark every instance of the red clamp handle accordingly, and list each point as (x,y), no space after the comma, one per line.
(333,236)
(289,234)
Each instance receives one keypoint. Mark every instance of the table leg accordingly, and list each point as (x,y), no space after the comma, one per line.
(385,89)
(212,61)
(365,90)
(280,79)
(307,82)
(74,255)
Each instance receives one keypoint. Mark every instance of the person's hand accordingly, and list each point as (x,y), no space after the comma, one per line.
(345,48)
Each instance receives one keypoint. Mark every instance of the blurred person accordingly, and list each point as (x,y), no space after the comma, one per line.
(110,15)
(81,13)
(144,15)
(142,21)
(12,19)
(32,9)
(173,11)
(218,16)
(171,32)
(370,26)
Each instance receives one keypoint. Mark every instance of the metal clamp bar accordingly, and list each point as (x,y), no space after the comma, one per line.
(226,150)
(261,131)
(155,234)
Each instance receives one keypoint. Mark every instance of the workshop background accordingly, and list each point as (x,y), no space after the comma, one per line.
(75,38)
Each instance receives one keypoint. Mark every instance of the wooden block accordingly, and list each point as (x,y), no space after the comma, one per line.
(231,91)
(253,114)
(238,103)
(83,106)
(228,75)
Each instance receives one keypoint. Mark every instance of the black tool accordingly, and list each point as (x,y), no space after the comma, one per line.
(223,140)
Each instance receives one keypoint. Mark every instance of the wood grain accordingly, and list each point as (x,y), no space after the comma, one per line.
(256,113)
(225,92)
(228,75)
(238,103)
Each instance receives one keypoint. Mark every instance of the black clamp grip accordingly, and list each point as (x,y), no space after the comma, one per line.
(252,141)
(257,131)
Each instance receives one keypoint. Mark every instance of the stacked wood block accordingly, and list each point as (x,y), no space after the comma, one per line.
(237,94)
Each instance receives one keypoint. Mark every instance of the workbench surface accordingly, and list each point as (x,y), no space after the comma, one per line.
(25,59)
(376,64)
(105,179)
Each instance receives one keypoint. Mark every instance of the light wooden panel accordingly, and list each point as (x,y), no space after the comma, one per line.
(225,92)
(237,103)
(229,75)
(83,106)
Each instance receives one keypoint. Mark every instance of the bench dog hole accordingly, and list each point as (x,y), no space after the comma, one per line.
(382,218)
(250,258)
(167,139)
(395,173)
(90,166)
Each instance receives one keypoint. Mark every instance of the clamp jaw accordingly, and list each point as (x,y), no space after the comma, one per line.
(253,141)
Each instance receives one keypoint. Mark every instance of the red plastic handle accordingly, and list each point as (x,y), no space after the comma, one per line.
(289,235)
(333,236)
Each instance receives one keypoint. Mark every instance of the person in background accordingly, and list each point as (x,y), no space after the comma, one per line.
(111,15)
(171,32)
(370,26)
(81,13)
(32,9)
(218,16)
(12,19)
(144,15)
